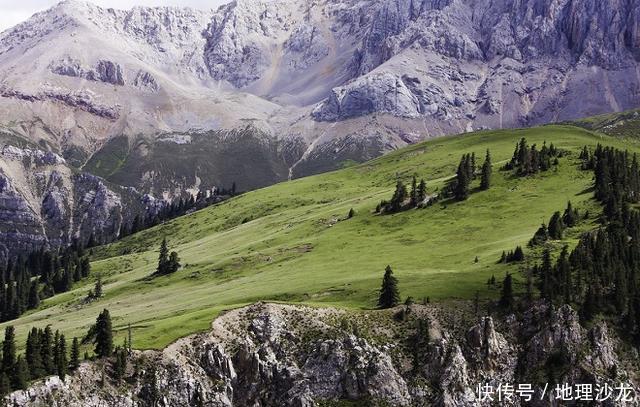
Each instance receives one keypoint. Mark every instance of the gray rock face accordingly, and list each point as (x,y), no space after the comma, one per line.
(53,205)
(265,355)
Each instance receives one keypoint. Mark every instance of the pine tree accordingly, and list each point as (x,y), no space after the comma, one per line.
(389,295)
(5,384)
(399,196)
(351,213)
(46,349)
(485,180)
(422,191)
(570,216)
(34,295)
(174,263)
(62,363)
(33,354)
(20,378)
(541,236)
(506,298)
(556,226)
(104,335)
(414,193)
(97,288)
(120,364)
(163,258)
(75,355)
(461,190)
(9,350)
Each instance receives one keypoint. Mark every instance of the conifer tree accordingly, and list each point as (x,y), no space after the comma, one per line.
(506,298)
(62,362)
(5,384)
(174,263)
(34,295)
(556,226)
(120,364)
(104,335)
(46,349)
(461,190)
(21,374)
(570,216)
(399,196)
(33,354)
(422,191)
(414,192)
(485,180)
(9,351)
(389,295)
(163,258)
(74,363)
(97,288)
(351,213)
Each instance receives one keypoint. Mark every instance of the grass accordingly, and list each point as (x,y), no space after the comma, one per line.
(292,242)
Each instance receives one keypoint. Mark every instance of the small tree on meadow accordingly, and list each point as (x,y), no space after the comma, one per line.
(389,295)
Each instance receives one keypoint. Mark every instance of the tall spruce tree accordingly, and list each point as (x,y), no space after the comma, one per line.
(9,351)
(389,295)
(414,192)
(485,180)
(62,362)
(104,335)
(74,363)
(422,191)
(163,258)
(463,180)
(506,298)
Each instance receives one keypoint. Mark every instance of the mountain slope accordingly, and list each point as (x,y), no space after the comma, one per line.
(324,75)
(292,241)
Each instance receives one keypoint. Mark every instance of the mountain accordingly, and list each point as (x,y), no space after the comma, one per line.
(296,243)
(169,101)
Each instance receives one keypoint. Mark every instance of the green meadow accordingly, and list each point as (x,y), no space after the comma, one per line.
(292,242)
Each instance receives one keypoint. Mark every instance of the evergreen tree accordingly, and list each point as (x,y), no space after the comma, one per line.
(399,196)
(61,362)
(414,193)
(351,213)
(541,236)
(570,216)
(463,180)
(75,355)
(389,295)
(174,263)
(46,349)
(485,180)
(20,378)
(422,191)
(163,258)
(9,351)
(5,384)
(34,295)
(506,298)
(120,364)
(104,335)
(556,226)
(97,288)
(33,354)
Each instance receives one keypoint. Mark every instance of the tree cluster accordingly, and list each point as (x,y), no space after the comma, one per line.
(167,263)
(25,280)
(513,256)
(45,354)
(402,199)
(529,160)
(178,207)
(558,223)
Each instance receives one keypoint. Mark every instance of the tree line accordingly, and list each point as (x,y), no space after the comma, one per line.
(46,353)
(26,280)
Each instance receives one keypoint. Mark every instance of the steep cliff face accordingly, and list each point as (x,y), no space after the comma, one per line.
(45,203)
(265,355)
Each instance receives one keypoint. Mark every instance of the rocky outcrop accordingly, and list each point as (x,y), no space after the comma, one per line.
(44,203)
(266,354)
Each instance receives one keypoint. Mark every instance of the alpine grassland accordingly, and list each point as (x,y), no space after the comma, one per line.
(294,241)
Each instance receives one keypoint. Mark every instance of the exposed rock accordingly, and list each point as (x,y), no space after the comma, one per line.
(266,354)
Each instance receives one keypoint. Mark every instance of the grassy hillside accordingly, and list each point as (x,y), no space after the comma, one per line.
(292,241)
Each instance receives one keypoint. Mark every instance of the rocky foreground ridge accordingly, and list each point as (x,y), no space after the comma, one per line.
(284,355)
